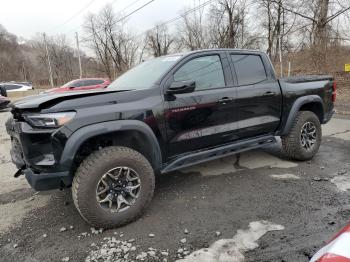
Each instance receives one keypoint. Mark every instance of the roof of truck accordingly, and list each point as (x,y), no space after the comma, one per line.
(214,49)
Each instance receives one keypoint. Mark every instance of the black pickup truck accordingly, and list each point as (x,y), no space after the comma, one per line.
(163,115)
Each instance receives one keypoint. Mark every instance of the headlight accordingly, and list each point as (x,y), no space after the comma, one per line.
(50,120)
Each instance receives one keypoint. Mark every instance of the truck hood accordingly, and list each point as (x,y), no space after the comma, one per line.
(38,101)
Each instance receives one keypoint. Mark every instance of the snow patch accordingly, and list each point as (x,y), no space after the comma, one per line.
(285,176)
(258,159)
(344,136)
(214,168)
(342,182)
(250,160)
(335,127)
(231,250)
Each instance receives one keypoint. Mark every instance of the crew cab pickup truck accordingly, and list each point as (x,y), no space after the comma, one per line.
(163,115)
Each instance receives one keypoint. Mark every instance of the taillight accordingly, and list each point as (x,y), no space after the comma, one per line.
(334,94)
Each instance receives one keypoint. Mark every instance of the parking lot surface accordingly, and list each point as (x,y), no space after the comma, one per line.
(255,206)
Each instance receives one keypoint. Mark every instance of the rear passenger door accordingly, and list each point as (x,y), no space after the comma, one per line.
(259,101)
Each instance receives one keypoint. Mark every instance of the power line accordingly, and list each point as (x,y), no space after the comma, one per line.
(136,10)
(73,16)
(112,3)
(164,23)
(184,14)
(179,17)
(134,2)
(123,18)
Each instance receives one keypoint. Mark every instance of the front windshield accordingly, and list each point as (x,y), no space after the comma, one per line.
(145,74)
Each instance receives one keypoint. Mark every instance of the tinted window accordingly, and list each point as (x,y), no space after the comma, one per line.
(249,69)
(93,82)
(206,71)
(12,87)
(74,83)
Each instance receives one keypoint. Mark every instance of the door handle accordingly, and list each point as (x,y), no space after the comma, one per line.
(225,100)
(269,93)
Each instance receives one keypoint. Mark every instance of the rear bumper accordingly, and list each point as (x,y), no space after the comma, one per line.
(47,181)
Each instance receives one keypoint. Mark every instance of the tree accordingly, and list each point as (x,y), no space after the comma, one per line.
(115,47)
(159,40)
(11,59)
(316,13)
(192,31)
(278,23)
(63,60)
(227,24)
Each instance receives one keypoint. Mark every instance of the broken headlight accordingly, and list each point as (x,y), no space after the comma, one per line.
(49,120)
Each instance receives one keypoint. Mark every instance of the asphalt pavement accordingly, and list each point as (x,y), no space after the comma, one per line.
(255,206)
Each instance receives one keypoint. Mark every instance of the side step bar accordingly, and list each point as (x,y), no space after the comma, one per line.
(218,152)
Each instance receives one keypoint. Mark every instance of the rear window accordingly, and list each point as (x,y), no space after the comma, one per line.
(74,83)
(93,82)
(249,69)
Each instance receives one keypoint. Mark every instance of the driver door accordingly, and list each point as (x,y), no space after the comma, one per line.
(202,118)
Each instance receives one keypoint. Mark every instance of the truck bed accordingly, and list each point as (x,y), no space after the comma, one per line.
(306,78)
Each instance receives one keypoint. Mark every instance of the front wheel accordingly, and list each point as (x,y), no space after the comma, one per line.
(304,139)
(113,186)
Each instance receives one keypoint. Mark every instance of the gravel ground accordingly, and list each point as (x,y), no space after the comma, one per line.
(257,206)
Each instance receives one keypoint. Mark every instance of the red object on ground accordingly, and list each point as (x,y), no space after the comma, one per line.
(82,84)
(337,250)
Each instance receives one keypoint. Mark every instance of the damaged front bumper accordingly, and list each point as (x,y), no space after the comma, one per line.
(36,155)
(47,181)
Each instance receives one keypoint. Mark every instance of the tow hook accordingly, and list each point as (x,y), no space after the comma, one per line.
(19,172)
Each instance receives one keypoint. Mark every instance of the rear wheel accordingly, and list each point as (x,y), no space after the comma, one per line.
(113,186)
(304,139)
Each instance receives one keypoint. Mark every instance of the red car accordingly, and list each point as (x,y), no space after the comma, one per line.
(337,250)
(81,84)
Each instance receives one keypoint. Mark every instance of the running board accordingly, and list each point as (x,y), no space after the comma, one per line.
(218,152)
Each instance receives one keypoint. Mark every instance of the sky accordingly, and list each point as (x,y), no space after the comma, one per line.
(26,18)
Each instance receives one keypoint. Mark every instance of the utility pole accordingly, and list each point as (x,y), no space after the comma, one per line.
(48,60)
(80,68)
(281,62)
(289,69)
(24,72)
(242,35)
(114,71)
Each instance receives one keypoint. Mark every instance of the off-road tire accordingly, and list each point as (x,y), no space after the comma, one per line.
(90,172)
(291,143)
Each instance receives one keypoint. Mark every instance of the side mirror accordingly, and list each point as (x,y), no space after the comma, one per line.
(181,87)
